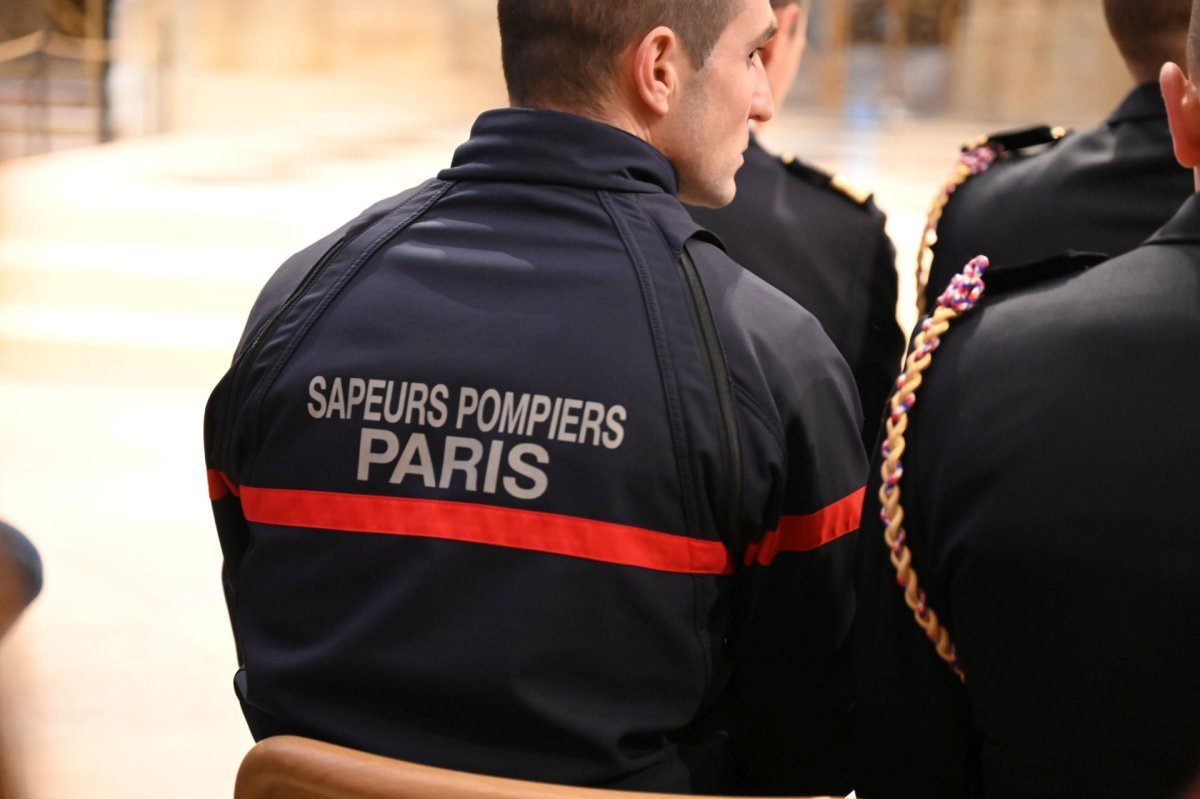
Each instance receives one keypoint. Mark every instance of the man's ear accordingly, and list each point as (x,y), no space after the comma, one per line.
(1183,113)
(656,68)
(787,18)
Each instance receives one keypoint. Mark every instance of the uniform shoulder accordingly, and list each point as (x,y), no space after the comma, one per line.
(975,284)
(753,302)
(1026,305)
(1016,279)
(1046,311)
(1023,140)
(997,150)
(770,339)
(977,157)
(827,181)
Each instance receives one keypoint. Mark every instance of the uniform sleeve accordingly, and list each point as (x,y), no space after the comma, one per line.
(912,731)
(792,680)
(875,372)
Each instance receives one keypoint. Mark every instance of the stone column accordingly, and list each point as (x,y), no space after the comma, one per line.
(130,75)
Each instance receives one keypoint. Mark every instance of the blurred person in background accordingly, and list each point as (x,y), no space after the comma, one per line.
(1104,190)
(20,584)
(20,575)
(519,473)
(1037,506)
(819,241)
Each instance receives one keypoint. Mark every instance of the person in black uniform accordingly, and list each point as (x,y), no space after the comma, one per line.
(1036,501)
(1104,190)
(519,473)
(817,240)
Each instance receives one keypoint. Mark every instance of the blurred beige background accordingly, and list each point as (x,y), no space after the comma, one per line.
(236,131)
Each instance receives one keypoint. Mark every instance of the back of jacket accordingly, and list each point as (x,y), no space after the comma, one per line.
(478,473)
(1047,494)
(1104,190)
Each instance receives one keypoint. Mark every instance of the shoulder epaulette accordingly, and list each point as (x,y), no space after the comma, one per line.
(1015,140)
(1015,278)
(978,156)
(825,180)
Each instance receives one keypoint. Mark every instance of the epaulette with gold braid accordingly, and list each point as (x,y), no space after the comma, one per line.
(816,176)
(978,156)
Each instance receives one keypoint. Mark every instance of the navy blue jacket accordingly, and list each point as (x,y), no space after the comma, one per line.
(1104,190)
(798,229)
(1049,497)
(514,475)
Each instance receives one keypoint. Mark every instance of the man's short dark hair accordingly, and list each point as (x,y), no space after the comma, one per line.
(1148,32)
(563,53)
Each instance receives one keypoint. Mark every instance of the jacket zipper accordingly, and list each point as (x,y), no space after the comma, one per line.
(247,358)
(720,374)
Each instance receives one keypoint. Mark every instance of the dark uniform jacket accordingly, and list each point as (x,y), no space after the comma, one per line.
(514,474)
(1049,492)
(791,225)
(1104,190)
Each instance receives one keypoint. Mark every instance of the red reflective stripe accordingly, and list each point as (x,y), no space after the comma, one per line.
(486,524)
(810,531)
(220,486)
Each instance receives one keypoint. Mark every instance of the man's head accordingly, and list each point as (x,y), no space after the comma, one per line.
(781,57)
(684,75)
(1148,33)
(564,54)
(1183,100)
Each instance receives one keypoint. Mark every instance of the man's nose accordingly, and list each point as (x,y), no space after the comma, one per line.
(762,105)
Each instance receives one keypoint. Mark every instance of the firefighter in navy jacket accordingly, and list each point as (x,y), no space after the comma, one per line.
(519,473)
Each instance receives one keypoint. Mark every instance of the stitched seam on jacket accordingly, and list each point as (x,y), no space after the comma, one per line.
(675,415)
(392,228)
(759,412)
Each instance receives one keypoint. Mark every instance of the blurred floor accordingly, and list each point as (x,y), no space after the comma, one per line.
(125,275)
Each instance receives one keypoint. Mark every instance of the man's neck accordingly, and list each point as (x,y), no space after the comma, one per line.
(619,118)
(623,120)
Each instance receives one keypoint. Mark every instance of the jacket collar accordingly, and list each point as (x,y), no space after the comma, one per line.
(1144,102)
(537,146)
(1183,227)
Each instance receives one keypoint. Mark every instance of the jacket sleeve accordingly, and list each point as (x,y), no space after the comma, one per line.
(912,731)
(792,679)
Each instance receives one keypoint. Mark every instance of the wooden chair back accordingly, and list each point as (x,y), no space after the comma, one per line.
(290,767)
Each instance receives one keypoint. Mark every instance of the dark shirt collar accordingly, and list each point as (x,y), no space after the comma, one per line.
(536,146)
(1144,102)
(756,153)
(1183,227)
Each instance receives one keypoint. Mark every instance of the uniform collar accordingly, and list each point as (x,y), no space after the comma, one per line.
(537,146)
(755,153)
(1183,227)
(1144,102)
